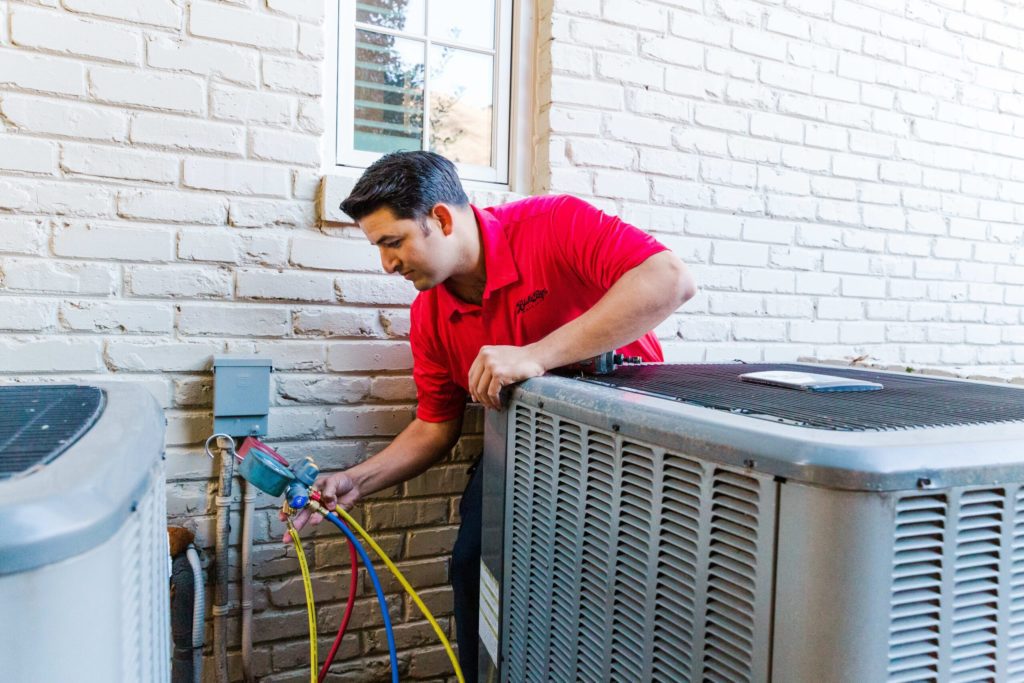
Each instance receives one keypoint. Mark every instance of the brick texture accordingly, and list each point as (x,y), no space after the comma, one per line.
(843,178)
(159,167)
(874,147)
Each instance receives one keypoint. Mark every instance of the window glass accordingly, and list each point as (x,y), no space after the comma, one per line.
(426,74)
(388,93)
(469,23)
(461,104)
(401,15)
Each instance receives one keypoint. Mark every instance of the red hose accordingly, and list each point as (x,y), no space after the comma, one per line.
(353,585)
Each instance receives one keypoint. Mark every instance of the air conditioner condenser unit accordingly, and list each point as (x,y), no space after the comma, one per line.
(674,523)
(84,566)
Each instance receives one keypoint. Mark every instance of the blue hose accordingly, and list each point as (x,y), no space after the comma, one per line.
(376,585)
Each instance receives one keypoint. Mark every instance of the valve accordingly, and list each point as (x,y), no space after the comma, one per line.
(297,496)
(298,493)
(603,363)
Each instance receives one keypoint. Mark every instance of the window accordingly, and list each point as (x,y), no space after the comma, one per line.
(426,74)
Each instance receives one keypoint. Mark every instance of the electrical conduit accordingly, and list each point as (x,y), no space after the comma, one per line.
(198,613)
(220,602)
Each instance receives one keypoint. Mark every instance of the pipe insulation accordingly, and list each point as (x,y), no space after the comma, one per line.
(248,505)
(220,604)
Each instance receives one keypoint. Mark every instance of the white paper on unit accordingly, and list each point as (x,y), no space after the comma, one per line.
(809,381)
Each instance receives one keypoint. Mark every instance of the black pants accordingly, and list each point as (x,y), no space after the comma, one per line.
(465,575)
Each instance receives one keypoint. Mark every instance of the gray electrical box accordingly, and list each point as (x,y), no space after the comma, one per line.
(241,395)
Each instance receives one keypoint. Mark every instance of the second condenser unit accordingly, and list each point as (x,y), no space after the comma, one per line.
(675,523)
(84,565)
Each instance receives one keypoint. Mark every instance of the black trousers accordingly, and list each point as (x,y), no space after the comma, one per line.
(465,575)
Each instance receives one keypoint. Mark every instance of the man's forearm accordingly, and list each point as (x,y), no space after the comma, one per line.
(414,450)
(637,303)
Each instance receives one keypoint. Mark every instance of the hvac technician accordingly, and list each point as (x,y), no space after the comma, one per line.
(506,293)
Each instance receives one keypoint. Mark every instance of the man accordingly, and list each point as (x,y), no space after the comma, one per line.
(506,294)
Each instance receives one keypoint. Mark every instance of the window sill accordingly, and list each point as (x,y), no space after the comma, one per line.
(337,184)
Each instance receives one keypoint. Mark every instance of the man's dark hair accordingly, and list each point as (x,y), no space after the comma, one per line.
(408,183)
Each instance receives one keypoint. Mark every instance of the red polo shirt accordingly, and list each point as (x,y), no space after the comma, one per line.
(549,260)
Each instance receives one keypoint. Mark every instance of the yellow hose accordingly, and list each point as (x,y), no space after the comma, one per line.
(401,579)
(310,607)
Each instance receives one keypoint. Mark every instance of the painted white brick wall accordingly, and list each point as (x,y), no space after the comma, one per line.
(815,161)
(159,164)
(845,178)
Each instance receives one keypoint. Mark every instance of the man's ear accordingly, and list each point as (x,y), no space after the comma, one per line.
(442,213)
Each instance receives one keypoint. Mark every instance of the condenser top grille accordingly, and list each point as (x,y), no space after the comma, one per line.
(905,402)
(38,423)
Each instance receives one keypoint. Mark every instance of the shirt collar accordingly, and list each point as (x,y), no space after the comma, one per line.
(498,260)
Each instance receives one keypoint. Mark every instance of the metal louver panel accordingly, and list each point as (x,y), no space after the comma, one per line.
(957,601)
(679,562)
(629,625)
(158,650)
(917,588)
(595,564)
(732,578)
(144,580)
(519,571)
(1015,605)
(541,538)
(627,562)
(565,579)
(975,613)
(132,603)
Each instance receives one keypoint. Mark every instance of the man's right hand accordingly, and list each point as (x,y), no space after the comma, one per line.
(416,448)
(335,489)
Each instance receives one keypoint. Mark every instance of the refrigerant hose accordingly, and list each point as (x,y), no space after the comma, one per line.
(376,586)
(315,504)
(310,607)
(300,495)
(381,599)
(353,586)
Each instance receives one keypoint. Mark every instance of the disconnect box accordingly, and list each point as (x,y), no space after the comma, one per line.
(241,395)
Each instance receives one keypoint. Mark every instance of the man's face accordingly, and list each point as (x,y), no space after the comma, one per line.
(423,259)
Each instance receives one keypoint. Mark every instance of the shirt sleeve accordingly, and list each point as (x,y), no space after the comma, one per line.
(439,398)
(602,248)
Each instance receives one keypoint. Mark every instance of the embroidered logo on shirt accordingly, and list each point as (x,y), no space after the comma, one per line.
(526,303)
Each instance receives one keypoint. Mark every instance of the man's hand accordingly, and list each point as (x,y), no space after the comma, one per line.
(499,366)
(335,489)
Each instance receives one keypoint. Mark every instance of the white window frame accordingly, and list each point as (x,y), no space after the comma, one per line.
(512,134)
(345,153)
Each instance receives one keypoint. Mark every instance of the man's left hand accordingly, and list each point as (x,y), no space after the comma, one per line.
(499,366)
